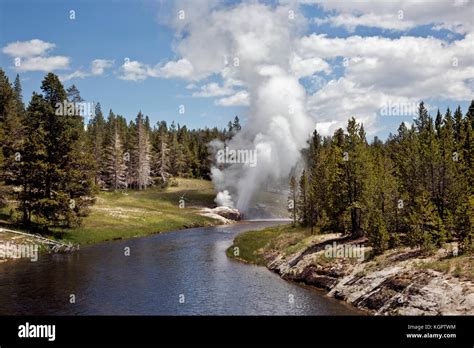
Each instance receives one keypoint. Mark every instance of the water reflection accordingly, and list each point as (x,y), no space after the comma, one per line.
(183,272)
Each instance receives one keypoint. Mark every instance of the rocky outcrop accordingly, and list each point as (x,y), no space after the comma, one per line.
(394,287)
(224,214)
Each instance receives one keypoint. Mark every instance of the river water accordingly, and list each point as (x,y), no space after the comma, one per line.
(176,273)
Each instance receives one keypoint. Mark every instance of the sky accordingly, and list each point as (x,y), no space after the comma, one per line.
(200,63)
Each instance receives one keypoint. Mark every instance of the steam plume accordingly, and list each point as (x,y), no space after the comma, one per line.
(251,46)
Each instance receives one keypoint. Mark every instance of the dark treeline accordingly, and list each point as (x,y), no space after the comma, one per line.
(415,188)
(53,163)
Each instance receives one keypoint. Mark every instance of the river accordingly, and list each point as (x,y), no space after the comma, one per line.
(175,273)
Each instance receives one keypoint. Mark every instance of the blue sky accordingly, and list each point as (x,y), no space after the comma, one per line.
(147,33)
(111,30)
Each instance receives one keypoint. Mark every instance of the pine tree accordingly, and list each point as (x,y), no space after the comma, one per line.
(356,171)
(426,227)
(381,194)
(236,124)
(337,201)
(428,149)
(464,224)
(293,199)
(96,140)
(73,95)
(302,204)
(32,166)
(142,171)
(11,127)
(458,126)
(116,168)
(377,232)
(317,179)
(54,177)
(162,162)
(177,158)
(18,90)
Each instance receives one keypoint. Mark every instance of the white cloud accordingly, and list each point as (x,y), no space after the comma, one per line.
(100,65)
(341,99)
(45,64)
(78,74)
(408,66)
(351,21)
(213,90)
(307,67)
(180,69)
(240,98)
(30,48)
(33,56)
(136,71)
(454,15)
(381,70)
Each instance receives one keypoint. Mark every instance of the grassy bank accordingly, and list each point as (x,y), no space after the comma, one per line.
(401,281)
(131,214)
(288,240)
(253,244)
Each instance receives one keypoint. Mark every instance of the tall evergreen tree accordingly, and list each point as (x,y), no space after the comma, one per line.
(142,171)
(116,167)
(96,132)
(60,189)
(18,90)
(293,199)
(303,197)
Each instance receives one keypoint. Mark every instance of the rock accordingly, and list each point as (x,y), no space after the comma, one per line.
(394,285)
(225,214)
(377,299)
(339,295)
(228,213)
(320,281)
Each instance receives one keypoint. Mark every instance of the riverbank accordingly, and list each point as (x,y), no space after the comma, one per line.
(130,214)
(401,281)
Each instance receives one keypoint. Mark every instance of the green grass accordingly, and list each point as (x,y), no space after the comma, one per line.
(117,215)
(459,266)
(252,244)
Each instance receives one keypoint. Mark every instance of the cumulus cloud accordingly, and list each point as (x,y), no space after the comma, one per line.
(78,74)
(138,71)
(177,69)
(30,48)
(240,98)
(100,65)
(453,15)
(213,89)
(351,21)
(45,64)
(33,56)
(308,67)
(379,69)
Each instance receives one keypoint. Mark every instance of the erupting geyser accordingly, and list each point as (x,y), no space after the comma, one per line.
(251,47)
